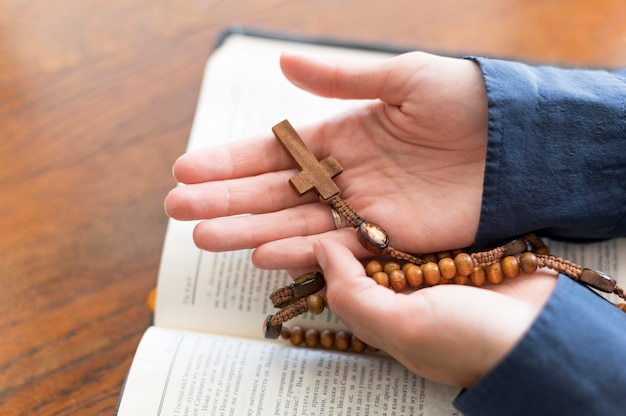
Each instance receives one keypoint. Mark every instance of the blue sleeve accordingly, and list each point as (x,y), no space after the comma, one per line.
(556,156)
(571,362)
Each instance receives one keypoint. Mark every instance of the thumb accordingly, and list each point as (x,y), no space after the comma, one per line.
(356,299)
(366,79)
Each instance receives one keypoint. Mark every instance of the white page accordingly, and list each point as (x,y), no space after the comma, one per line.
(185,373)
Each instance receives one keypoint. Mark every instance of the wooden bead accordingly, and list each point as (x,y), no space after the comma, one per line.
(297,335)
(371,348)
(464,264)
(342,340)
(478,276)
(356,344)
(494,273)
(373,266)
(312,338)
(430,258)
(391,266)
(406,266)
(381,278)
(460,280)
(414,275)
(285,333)
(510,267)
(397,280)
(327,338)
(447,268)
(431,273)
(528,262)
(315,304)
(444,255)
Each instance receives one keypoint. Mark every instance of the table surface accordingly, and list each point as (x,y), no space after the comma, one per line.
(96,102)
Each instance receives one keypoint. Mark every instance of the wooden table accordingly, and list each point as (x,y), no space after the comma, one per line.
(96,103)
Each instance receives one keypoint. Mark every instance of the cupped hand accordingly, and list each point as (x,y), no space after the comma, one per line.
(449,333)
(413,157)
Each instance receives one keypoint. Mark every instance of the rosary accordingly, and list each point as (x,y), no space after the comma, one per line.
(405,271)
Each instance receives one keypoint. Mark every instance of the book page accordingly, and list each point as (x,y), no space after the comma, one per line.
(185,373)
(243,94)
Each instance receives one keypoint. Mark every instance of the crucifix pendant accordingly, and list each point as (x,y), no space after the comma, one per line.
(314,175)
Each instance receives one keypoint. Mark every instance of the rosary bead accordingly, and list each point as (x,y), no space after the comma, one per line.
(373,266)
(510,267)
(381,278)
(372,237)
(460,280)
(447,268)
(356,344)
(528,262)
(397,280)
(464,264)
(478,276)
(431,273)
(312,338)
(297,335)
(428,258)
(414,275)
(391,266)
(342,340)
(494,273)
(285,333)
(327,338)
(315,304)
(444,255)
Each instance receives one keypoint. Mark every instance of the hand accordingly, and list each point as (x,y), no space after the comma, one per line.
(413,163)
(448,333)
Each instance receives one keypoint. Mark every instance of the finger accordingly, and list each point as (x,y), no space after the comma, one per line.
(369,79)
(251,195)
(250,231)
(234,160)
(352,296)
(297,252)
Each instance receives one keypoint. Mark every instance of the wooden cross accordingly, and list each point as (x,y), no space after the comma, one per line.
(314,174)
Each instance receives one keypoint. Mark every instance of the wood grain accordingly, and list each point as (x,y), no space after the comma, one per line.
(96,103)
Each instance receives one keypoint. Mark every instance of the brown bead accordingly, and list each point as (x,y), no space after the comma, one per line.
(460,280)
(342,340)
(371,348)
(315,304)
(447,268)
(510,267)
(494,273)
(312,338)
(464,264)
(372,237)
(414,275)
(444,255)
(541,249)
(381,278)
(430,257)
(397,280)
(356,344)
(373,266)
(297,335)
(431,273)
(391,266)
(405,266)
(528,262)
(285,333)
(327,338)
(478,276)
(444,281)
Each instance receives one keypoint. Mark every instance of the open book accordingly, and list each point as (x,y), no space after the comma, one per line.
(206,353)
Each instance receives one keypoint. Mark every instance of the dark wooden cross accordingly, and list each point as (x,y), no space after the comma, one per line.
(314,175)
